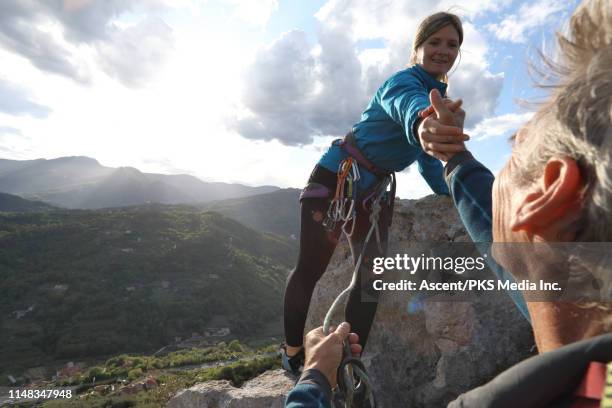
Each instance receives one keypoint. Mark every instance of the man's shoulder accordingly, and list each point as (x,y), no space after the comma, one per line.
(541,377)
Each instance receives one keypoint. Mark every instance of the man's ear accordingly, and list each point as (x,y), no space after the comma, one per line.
(556,199)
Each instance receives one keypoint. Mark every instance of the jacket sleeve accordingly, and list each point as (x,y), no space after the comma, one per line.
(471,187)
(311,391)
(432,171)
(402,97)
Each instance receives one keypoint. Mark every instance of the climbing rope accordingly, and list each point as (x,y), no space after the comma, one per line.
(352,366)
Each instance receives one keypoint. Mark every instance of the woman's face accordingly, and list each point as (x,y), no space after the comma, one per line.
(439,52)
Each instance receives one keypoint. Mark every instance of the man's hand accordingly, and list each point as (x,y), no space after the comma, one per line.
(458,114)
(324,353)
(441,131)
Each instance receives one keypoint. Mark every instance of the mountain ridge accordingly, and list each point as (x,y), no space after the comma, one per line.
(81,182)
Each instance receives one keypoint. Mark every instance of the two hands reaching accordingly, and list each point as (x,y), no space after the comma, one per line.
(440,130)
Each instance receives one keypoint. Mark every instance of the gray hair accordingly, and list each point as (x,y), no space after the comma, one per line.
(577,120)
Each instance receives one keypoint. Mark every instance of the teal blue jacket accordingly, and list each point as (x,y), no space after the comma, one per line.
(386,132)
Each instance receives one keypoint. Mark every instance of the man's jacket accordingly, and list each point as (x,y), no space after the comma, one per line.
(471,187)
(549,380)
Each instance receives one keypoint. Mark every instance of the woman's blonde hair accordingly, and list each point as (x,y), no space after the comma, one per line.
(431,25)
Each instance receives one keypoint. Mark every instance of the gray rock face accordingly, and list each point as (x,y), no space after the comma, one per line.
(427,357)
(423,356)
(266,391)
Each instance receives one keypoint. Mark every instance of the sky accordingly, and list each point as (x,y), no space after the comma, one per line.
(246,91)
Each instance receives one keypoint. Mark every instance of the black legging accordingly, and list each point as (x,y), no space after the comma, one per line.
(317,245)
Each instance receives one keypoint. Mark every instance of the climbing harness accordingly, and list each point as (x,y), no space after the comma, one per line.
(353,381)
(342,207)
(352,376)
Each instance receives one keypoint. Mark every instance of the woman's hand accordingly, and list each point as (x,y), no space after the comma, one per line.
(441,131)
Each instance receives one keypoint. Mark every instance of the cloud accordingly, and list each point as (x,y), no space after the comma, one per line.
(394,21)
(22,31)
(515,27)
(57,36)
(15,100)
(499,126)
(9,130)
(13,143)
(295,90)
(134,54)
(481,100)
(254,12)
(479,90)
(474,8)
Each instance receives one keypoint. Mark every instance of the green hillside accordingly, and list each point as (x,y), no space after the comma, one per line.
(277,212)
(77,284)
(13,203)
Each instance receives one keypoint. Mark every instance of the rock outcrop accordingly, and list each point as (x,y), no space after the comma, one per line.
(268,390)
(421,352)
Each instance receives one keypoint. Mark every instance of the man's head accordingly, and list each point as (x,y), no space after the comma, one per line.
(557,186)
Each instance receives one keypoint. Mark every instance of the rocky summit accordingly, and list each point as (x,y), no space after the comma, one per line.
(421,352)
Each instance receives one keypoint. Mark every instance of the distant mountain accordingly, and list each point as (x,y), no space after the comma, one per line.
(127,186)
(12,165)
(34,176)
(82,182)
(82,283)
(13,203)
(277,212)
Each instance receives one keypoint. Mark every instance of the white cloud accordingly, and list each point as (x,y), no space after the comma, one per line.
(136,53)
(295,92)
(59,37)
(13,143)
(15,100)
(256,12)
(364,19)
(9,130)
(499,126)
(479,89)
(475,49)
(474,8)
(515,27)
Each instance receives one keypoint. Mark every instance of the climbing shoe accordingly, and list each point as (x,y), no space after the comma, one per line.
(293,364)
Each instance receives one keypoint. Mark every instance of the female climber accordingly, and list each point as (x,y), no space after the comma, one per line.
(350,180)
